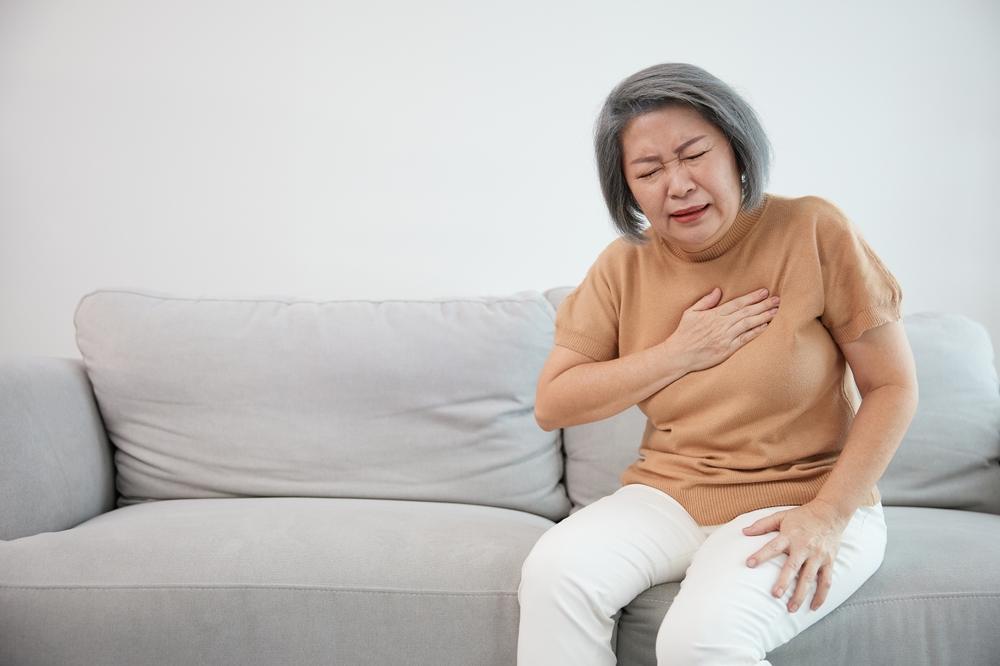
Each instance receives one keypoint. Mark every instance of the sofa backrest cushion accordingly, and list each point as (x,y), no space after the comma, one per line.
(948,457)
(416,400)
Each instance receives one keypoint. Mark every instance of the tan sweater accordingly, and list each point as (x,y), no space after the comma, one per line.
(765,427)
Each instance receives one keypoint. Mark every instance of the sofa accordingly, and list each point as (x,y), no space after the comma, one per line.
(275,481)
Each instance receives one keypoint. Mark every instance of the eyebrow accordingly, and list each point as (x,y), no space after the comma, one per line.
(677,151)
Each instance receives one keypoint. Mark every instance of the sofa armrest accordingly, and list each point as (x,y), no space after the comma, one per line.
(56,467)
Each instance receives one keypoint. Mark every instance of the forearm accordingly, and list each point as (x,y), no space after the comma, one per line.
(575,389)
(878,428)
(593,391)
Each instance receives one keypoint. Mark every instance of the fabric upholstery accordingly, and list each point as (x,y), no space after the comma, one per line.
(269,581)
(55,459)
(950,456)
(271,397)
(595,459)
(925,606)
(398,400)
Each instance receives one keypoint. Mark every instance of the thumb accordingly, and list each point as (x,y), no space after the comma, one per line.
(708,301)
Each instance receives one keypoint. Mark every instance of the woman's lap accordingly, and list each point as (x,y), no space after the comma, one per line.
(583,570)
(587,567)
(725,612)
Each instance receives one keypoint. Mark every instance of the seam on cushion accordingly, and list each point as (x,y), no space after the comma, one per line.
(279,588)
(486,300)
(541,303)
(922,597)
(858,604)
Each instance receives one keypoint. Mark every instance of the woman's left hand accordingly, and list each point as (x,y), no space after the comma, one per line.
(810,535)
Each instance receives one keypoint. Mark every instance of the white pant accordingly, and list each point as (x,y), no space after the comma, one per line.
(586,568)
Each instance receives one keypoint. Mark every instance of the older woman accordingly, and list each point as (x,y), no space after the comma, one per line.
(730,321)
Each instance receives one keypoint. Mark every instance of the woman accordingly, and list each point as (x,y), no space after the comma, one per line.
(728,321)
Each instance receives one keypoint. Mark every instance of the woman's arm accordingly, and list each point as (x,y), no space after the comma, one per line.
(887,379)
(883,369)
(574,388)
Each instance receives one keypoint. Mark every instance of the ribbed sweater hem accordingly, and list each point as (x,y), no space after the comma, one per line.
(715,505)
(584,345)
(866,320)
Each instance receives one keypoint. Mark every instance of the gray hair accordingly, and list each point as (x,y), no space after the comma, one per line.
(676,84)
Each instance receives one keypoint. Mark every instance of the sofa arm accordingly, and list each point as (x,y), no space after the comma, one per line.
(56,468)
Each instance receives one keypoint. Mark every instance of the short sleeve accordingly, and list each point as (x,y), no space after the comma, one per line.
(859,291)
(587,320)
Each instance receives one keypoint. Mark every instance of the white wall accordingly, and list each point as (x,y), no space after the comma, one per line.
(399,149)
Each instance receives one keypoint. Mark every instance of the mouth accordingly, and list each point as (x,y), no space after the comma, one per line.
(689,215)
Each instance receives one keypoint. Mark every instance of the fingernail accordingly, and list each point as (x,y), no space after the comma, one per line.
(776,300)
(774,310)
(793,608)
(779,592)
(751,562)
(763,293)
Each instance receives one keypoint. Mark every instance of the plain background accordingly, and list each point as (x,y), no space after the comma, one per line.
(390,149)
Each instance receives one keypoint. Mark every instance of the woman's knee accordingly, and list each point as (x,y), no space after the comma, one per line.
(556,584)
(728,625)
(709,644)
(571,572)
(559,557)
(543,563)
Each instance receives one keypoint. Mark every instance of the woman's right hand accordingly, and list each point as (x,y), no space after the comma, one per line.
(574,388)
(709,333)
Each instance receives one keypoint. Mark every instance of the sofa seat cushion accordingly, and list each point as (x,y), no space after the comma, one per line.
(934,602)
(267,581)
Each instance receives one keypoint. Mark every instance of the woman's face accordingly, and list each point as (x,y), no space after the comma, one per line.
(682,172)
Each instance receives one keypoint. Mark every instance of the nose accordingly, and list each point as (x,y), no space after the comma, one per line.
(679,182)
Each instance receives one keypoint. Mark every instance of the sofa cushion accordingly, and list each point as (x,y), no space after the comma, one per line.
(949,455)
(55,460)
(269,581)
(934,602)
(428,400)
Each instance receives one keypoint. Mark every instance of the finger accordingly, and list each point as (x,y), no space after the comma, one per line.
(771,523)
(742,339)
(753,321)
(788,573)
(738,304)
(824,582)
(753,314)
(746,329)
(804,585)
(773,548)
(708,301)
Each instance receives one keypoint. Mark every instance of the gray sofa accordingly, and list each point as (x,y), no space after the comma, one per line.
(286,482)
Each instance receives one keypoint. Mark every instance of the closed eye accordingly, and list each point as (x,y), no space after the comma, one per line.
(650,173)
(696,156)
